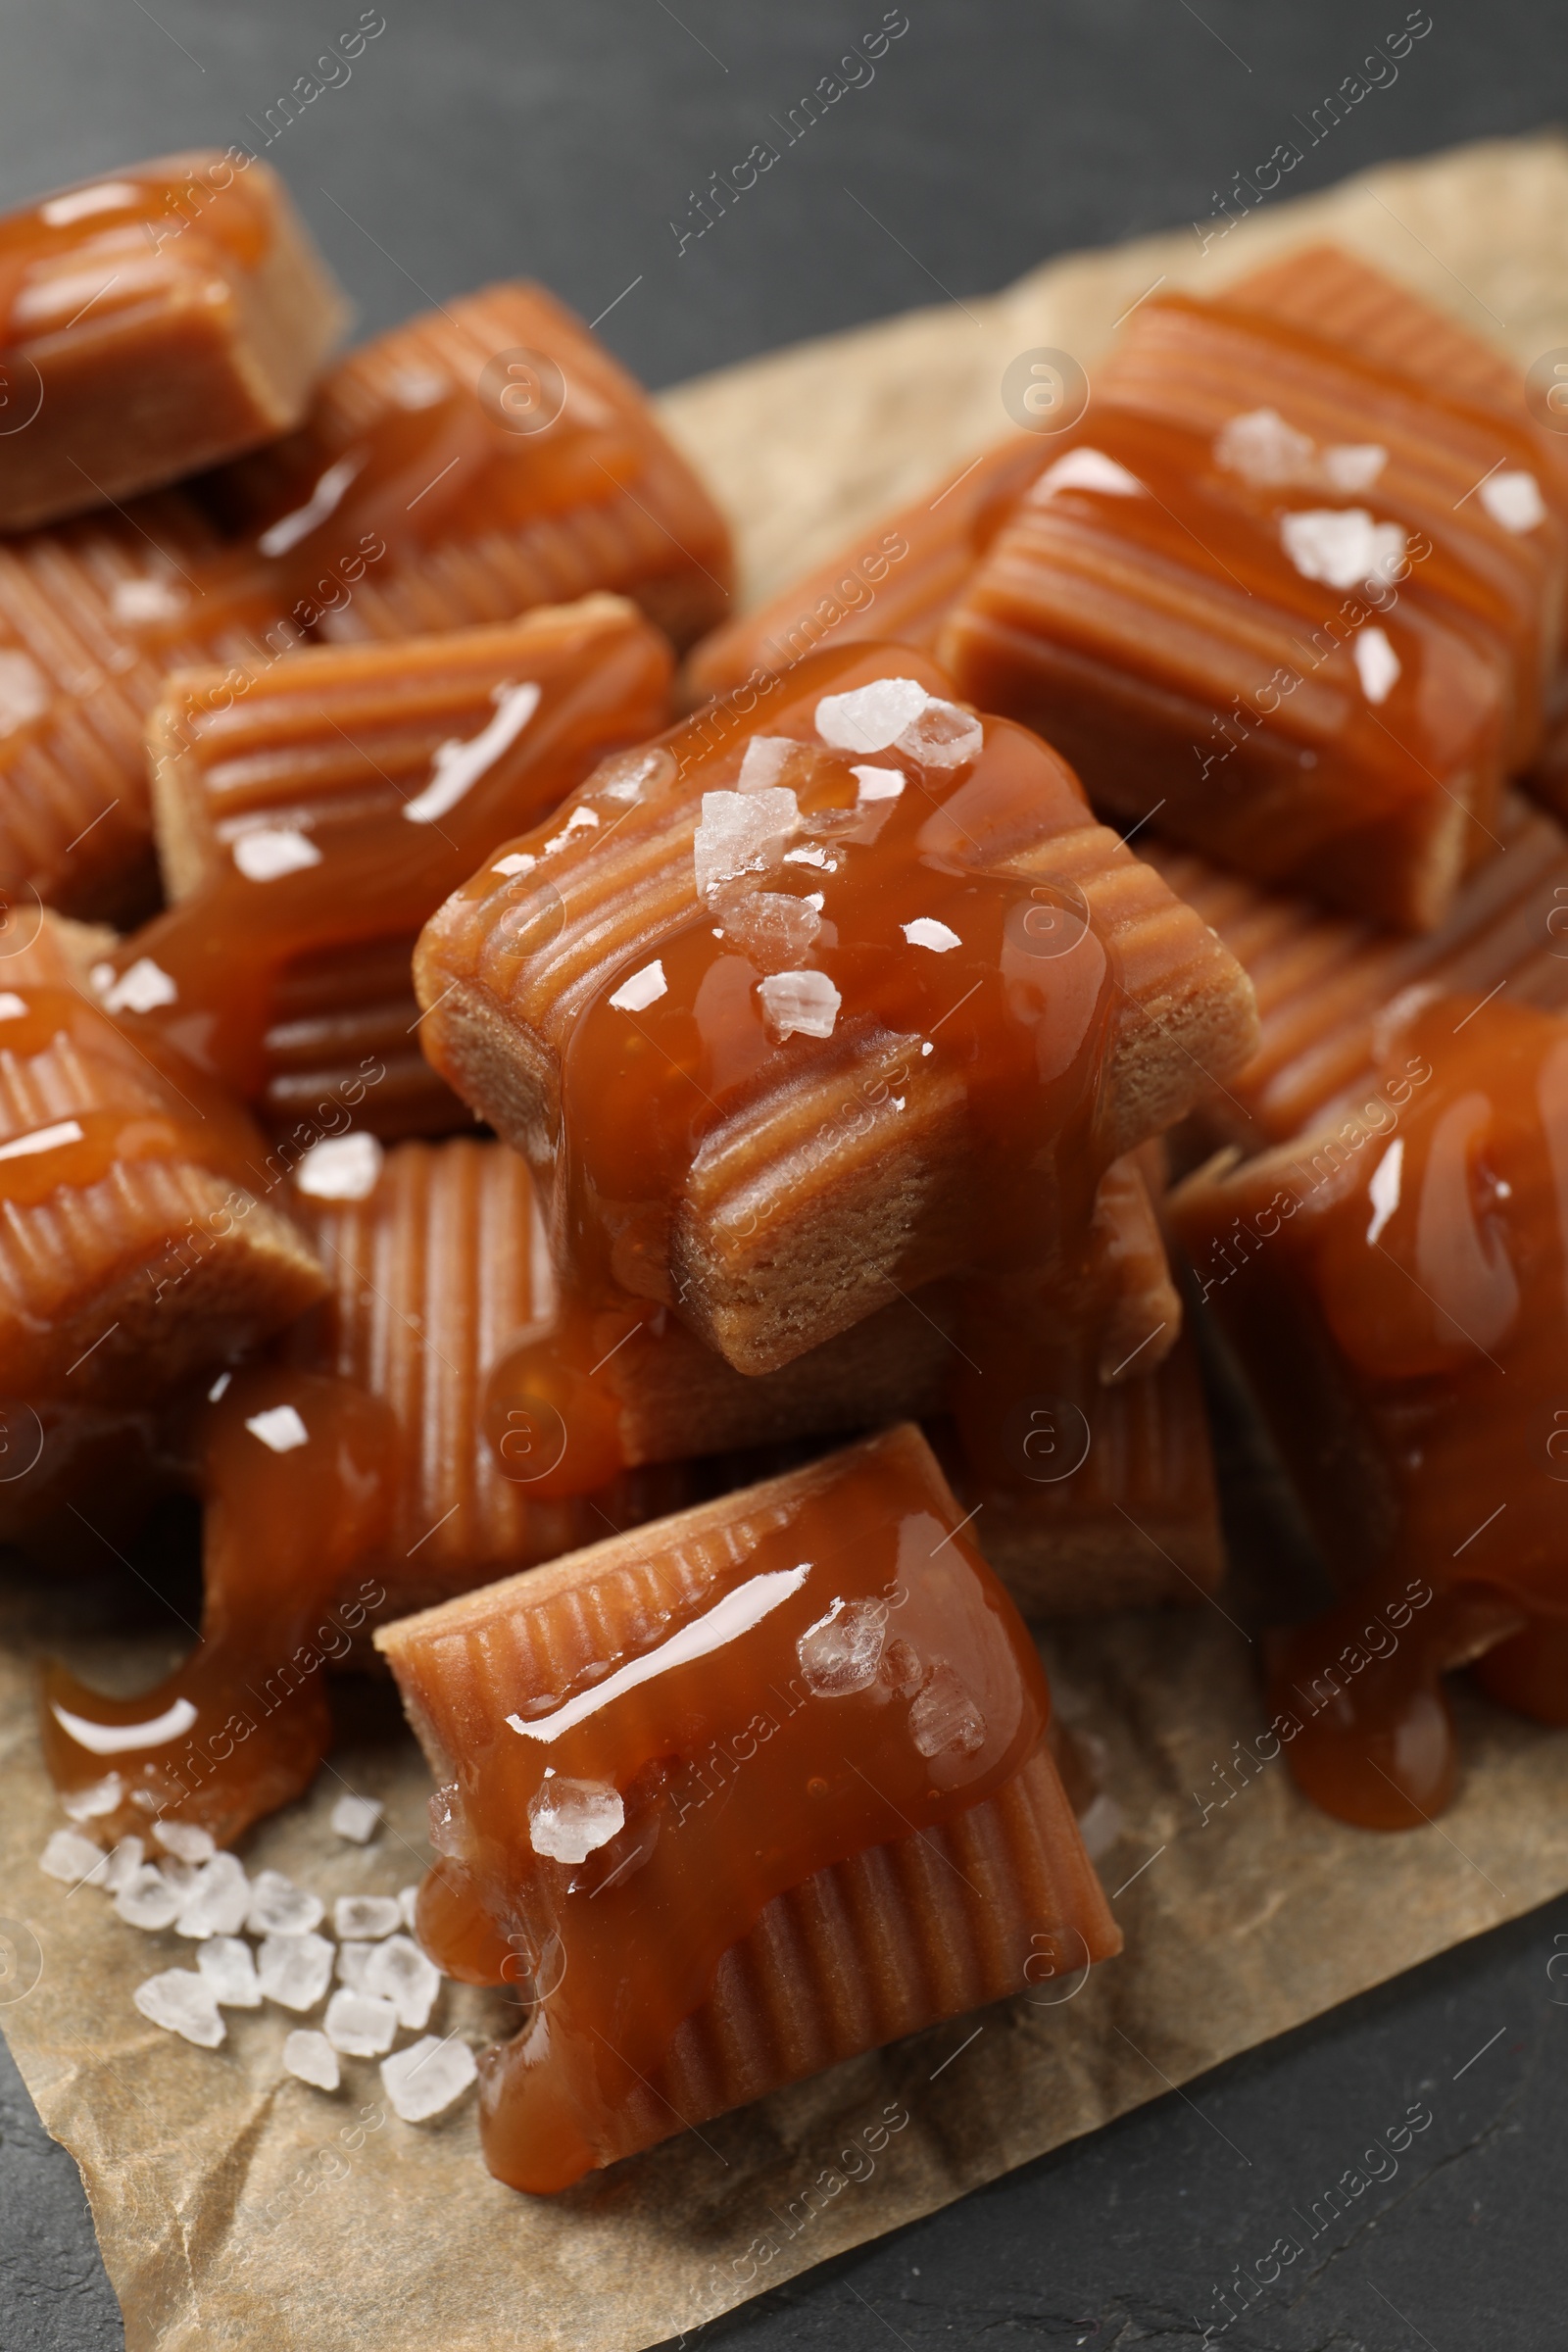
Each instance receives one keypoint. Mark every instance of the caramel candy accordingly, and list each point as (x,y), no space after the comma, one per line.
(737,1796)
(893,583)
(796,1014)
(1398,1304)
(466,467)
(312,814)
(1302,606)
(138,1247)
(1328,986)
(154,321)
(91,616)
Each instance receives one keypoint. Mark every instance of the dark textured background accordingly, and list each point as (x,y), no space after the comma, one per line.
(485,137)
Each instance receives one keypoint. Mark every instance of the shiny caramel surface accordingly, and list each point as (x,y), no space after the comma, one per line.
(842,1636)
(1397,1287)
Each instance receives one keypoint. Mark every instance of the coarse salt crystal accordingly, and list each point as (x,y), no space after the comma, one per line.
(186,1840)
(141,988)
(842,1652)
(400,1974)
(408,1904)
(227,1964)
(216,1901)
(1514,500)
(568,1820)
(878,783)
(643,989)
(280,1908)
(365,1915)
(1341,546)
(427,2078)
(867,718)
(942,736)
(1377,665)
(741,833)
(271,852)
(926,932)
(803,1001)
(71,1858)
(147,1899)
(310,2057)
(120,1866)
(279,1429)
(357,1818)
(294,1969)
(521,862)
(182,2002)
(764,761)
(341,1167)
(944,1715)
(360,2024)
(1085,470)
(99,1796)
(353,1959)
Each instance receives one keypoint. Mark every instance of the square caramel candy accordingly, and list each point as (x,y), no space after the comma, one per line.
(313,812)
(797,1011)
(1306,605)
(93,613)
(474,462)
(1397,1296)
(154,322)
(137,1246)
(1329,987)
(736,1796)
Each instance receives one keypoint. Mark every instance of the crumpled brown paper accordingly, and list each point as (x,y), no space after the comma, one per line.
(237,2207)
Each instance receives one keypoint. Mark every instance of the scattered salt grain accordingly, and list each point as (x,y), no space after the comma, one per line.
(186,1840)
(365,1915)
(1341,546)
(360,2023)
(71,1858)
(225,1964)
(352,1960)
(426,2078)
(294,1969)
(926,932)
(773,928)
(842,1652)
(273,851)
(217,1899)
(280,1908)
(120,1866)
(643,989)
(99,1796)
(1377,665)
(312,2057)
(869,718)
(878,783)
(357,1818)
(807,1001)
(568,1820)
(400,1974)
(408,1904)
(946,1716)
(182,2002)
(766,758)
(341,1167)
(741,833)
(1084,470)
(147,1899)
(941,736)
(1514,500)
(280,1428)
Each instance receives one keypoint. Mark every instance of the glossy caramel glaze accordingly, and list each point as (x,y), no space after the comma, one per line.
(969,959)
(463,468)
(1260,586)
(160,317)
(840,1620)
(137,1240)
(1400,1305)
(330,802)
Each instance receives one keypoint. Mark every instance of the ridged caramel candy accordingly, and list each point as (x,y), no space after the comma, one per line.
(312,813)
(1401,1304)
(770,1083)
(160,317)
(139,1245)
(748,1791)
(1328,986)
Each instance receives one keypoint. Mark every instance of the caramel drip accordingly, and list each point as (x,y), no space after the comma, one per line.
(843,1608)
(331,807)
(1401,1305)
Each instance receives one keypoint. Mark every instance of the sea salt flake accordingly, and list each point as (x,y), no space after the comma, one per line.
(1352,465)
(1377,665)
(945,1718)
(765,758)
(741,833)
(926,932)
(294,1969)
(279,1429)
(521,862)
(408,1904)
(216,1901)
(311,2058)
(400,1974)
(1341,546)
(643,989)
(361,1916)
(869,718)
(629,776)
(803,1001)
(771,927)
(280,1908)
(121,1865)
(842,1652)
(141,988)
(1085,470)
(427,2078)
(184,2003)
(569,1819)
(341,1167)
(360,2024)
(271,852)
(71,1858)
(1514,500)
(147,1899)
(1263,449)
(879,783)
(353,1959)
(357,1818)
(227,1964)
(99,1796)
(942,736)
(903,1668)
(185,1838)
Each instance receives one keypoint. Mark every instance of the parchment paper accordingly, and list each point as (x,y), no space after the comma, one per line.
(237,2207)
